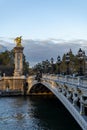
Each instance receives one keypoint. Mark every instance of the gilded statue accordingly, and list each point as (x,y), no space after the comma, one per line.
(18,41)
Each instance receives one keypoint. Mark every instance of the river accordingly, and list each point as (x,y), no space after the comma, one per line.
(35,113)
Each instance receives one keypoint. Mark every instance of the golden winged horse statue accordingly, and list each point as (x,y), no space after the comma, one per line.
(18,41)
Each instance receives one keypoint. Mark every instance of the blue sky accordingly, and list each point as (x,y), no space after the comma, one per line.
(43,19)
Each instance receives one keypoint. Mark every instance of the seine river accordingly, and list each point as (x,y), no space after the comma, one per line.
(35,113)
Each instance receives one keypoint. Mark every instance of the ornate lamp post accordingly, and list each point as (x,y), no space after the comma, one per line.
(43,66)
(52,60)
(47,65)
(67,63)
(58,62)
(80,58)
(39,73)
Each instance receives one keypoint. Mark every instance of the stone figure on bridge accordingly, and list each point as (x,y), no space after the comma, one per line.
(18,41)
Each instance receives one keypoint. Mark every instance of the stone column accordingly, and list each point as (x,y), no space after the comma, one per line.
(18,71)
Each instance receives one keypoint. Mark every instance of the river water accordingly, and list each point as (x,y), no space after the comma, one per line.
(35,113)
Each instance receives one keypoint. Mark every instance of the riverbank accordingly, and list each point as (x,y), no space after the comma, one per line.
(9,93)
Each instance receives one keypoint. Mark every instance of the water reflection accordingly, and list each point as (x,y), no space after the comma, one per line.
(35,113)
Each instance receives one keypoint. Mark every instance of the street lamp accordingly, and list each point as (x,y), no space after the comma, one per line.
(84,62)
(39,67)
(58,62)
(44,66)
(67,63)
(39,73)
(80,58)
(47,65)
(52,60)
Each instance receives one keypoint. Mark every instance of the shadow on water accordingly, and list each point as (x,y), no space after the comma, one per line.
(53,114)
(35,113)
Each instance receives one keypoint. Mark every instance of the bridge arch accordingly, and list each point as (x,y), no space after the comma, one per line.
(37,88)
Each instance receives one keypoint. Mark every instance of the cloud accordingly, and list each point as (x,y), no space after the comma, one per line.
(39,50)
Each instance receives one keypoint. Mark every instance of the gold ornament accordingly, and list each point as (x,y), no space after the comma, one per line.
(18,41)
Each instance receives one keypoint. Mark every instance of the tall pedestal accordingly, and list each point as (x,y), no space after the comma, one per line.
(18,71)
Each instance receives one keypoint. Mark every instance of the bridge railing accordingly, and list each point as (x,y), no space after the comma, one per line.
(80,81)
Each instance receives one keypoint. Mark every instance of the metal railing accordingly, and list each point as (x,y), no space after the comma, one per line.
(76,81)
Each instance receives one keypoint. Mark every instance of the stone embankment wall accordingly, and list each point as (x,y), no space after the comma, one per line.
(12,83)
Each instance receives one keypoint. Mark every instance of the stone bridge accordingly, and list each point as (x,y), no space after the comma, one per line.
(72,92)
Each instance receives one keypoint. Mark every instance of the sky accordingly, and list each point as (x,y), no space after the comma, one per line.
(43,19)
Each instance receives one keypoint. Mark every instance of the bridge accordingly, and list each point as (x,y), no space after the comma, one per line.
(72,92)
